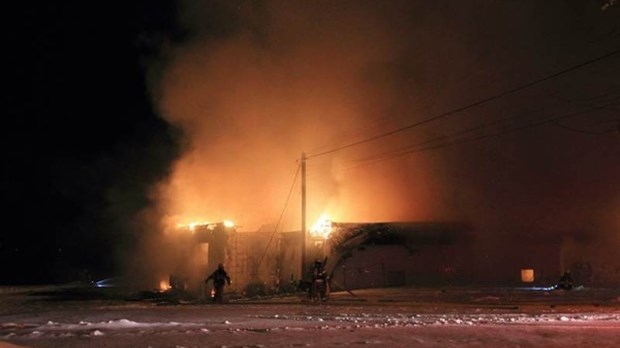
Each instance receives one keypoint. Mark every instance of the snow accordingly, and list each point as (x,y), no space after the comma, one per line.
(378,317)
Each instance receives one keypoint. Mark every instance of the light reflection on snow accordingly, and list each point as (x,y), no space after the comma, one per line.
(453,319)
(420,308)
(324,322)
(91,329)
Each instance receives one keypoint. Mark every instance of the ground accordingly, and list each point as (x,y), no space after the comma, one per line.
(392,317)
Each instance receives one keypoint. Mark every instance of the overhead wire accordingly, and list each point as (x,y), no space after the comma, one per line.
(527,126)
(395,152)
(485,136)
(275,229)
(374,123)
(574,129)
(457,135)
(471,105)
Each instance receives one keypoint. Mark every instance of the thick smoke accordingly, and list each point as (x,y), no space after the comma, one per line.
(259,82)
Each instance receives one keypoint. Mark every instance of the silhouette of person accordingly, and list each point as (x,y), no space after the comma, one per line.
(566,281)
(319,286)
(220,278)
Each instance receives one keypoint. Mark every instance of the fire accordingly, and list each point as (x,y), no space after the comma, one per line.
(209,225)
(192,225)
(322,228)
(164,285)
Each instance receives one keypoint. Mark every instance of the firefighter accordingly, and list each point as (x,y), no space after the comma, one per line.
(220,278)
(319,286)
(566,281)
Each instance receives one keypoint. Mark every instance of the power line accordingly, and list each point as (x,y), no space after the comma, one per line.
(507,131)
(275,229)
(583,131)
(469,106)
(600,106)
(482,137)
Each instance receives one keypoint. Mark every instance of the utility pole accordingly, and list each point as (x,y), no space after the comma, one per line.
(303,215)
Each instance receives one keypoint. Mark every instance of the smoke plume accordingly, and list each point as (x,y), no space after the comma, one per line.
(256,83)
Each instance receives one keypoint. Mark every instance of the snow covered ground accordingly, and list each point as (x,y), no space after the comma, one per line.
(392,317)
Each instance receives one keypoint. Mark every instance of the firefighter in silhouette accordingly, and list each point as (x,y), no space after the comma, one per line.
(320,286)
(220,278)
(566,281)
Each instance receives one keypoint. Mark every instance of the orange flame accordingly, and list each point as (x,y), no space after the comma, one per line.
(322,228)
(164,285)
(210,225)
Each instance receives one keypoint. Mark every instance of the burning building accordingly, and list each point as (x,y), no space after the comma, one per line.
(197,250)
(252,259)
(362,255)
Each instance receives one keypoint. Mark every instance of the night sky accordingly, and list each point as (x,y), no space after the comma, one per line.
(120,121)
(81,142)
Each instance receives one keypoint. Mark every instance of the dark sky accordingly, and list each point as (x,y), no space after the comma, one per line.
(119,121)
(80,140)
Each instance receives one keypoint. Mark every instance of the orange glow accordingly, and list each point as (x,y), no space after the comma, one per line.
(322,228)
(209,225)
(164,285)
(192,225)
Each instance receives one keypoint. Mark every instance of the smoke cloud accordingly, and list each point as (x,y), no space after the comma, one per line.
(257,83)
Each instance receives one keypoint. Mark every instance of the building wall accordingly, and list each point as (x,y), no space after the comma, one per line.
(395,265)
(252,259)
(274,260)
(502,265)
(372,266)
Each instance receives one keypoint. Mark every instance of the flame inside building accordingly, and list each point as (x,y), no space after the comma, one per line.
(198,249)
(250,258)
(359,255)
